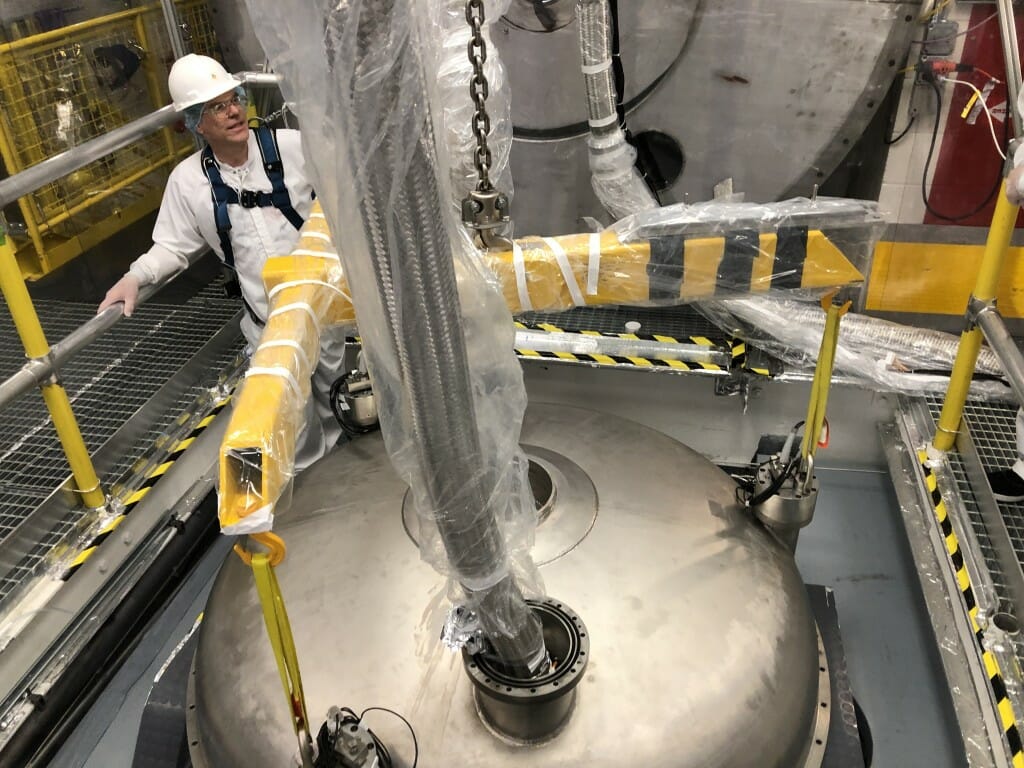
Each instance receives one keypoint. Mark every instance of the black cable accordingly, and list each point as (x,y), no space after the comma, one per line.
(928,162)
(334,397)
(412,731)
(903,133)
(867,743)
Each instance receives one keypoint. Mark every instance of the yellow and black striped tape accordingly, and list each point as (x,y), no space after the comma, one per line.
(1007,717)
(641,362)
(151,479)
(738,347)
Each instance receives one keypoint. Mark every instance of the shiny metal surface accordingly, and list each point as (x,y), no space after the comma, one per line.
(548,99)
(702,641)
(774,130)
(566,505)
(1003,344)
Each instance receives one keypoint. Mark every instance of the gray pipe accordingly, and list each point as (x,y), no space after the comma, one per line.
(59,166)
(174,28)
(616,181)
(1005,347)
(403,217)
(1011,54)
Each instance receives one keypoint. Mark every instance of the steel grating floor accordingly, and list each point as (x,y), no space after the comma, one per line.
(993,430)
(107,383)
(679,322)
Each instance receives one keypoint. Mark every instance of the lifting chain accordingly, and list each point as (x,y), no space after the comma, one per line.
(485,209)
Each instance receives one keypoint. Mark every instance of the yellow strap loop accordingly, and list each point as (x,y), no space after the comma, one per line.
(273,543)
(279,630)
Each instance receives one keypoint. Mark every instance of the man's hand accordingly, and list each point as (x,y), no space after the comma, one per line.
(1013,192)
(124,290)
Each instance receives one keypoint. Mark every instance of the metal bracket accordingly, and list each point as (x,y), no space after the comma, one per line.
(976,308)
(487,212)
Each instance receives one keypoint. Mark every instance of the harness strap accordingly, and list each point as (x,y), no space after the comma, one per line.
(223,196)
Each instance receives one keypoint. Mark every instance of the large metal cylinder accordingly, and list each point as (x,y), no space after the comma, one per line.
(702,649)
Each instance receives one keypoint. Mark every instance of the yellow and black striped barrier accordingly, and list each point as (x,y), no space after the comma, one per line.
(152,478)
(1007,717)
(621,360)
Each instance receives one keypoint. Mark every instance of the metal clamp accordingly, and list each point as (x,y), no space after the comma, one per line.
(976,308)
(486,212)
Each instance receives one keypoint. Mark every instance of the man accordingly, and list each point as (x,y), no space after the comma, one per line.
(244,195)
(1008,484)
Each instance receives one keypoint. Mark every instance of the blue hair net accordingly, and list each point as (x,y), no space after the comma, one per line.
(194,113)
(192,116)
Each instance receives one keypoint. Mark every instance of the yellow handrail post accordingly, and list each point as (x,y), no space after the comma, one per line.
(26,321)
(999,234)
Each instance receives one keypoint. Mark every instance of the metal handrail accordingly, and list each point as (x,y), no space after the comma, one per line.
(76,158)
(1002,343)
(39,371)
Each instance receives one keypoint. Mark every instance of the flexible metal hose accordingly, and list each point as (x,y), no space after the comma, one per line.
(616,181)
(403,217)
(595,25)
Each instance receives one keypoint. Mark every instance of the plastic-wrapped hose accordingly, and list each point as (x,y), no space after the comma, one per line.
(912,349)
(403,217)
(616,181)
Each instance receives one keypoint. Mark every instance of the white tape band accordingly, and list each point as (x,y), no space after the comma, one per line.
(593,263)
(293,283)
(567,273)
(594,69)
(280,372)
(318,235)
(519,265)
(291,344)
(601,122)
(300,305)
(329,255)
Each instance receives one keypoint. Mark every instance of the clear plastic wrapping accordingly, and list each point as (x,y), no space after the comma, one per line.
(454,72)
(449,388)
(686,253)
(877,353)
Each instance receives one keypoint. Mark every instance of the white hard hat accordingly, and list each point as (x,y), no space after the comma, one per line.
(197,79)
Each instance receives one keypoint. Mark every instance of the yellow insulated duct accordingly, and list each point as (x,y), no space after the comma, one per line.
(308,291)
(554,273)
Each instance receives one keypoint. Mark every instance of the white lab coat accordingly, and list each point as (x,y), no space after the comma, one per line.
(185,226)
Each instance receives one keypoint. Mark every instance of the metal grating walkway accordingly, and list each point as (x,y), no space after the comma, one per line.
(107,383)
(679,322)
(993,430)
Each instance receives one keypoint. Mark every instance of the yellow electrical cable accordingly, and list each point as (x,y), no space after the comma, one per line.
(280,633)
(937,9)
(820,386)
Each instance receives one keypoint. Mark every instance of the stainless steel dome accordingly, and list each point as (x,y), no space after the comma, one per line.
(703,651)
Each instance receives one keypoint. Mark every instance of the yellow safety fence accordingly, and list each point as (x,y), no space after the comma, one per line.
(63,87)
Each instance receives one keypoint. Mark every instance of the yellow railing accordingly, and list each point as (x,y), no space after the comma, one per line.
(63,87)
(999,234)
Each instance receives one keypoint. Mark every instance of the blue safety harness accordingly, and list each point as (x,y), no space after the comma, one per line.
(223,196)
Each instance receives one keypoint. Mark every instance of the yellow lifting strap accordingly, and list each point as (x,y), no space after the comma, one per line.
(279,631)
(822,376)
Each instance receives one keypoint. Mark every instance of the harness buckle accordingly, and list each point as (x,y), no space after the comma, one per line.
(249,199)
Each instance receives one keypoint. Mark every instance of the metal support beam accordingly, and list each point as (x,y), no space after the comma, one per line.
(1002,343)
